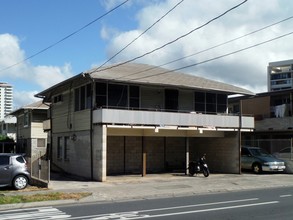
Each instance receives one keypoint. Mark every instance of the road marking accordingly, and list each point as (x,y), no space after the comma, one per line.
(33,213)
(209,210)
(283,196)
(106,215)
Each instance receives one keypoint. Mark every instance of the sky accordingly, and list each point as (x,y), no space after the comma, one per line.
(77,39)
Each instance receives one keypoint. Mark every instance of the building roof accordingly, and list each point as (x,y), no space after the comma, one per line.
(281,63)
(152,75)
(36,105)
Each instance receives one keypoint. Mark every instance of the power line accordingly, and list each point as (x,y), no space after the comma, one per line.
(131,42)
(210,48)
(216,58)
(171,42)
(66,37)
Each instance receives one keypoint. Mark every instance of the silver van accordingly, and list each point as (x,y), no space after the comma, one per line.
(13,171)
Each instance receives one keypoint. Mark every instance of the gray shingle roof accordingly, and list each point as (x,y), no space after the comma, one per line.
(144,74)
(147,74)
(35,105)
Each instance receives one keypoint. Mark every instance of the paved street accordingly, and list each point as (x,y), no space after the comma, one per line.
(135,187)
(265,204)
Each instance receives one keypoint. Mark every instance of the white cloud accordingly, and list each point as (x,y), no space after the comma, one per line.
(25,76)
(22,98)
(47,76)
(246,69)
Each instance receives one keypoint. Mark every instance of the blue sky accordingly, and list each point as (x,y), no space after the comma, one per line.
(32,25)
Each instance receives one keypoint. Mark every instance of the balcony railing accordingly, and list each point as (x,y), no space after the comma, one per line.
(159,118)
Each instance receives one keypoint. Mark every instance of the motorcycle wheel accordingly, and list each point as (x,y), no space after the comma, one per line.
(206,172)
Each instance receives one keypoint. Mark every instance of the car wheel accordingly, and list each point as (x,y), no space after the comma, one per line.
(256,168)
(20,182)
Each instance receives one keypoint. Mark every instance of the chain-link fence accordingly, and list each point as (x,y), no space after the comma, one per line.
(281,148)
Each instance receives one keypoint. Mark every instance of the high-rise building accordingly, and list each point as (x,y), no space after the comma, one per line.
(6,99)
(280,75)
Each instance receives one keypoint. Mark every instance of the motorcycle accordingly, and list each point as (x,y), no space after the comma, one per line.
(195,167)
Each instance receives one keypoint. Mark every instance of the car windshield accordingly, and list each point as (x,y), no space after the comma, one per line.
(260,152)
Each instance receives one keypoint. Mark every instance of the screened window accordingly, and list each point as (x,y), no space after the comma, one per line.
(199,101)
(211,102)
(82,98)
(134,96)
(101,94)
(171,99)
(117,95)
(26,118)
(222,103)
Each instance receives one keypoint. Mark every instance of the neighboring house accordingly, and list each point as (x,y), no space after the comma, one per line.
(8,133)
(136,118)
(273,116)
(30,136)
(8,127)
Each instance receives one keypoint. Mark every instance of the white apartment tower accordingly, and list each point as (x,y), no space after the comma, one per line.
(280,75)
(6,99)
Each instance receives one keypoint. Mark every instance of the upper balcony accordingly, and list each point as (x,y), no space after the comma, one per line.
(179,119)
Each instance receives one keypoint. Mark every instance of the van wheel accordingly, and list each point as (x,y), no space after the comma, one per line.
(20,182)
(256,168)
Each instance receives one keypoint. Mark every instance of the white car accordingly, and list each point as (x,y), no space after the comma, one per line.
(284,154)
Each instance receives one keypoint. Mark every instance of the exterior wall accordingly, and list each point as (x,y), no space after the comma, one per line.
(79,154)
(124,154)
(65,119)
(175,153)
(37,130)
(260,107)
(222,153)
(155,154)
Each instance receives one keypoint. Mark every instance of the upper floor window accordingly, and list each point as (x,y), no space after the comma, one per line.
(101,94)
(171,99)
(26,118)
(82,98)
(117,95)
(58,98)
(134,95)
(210,102)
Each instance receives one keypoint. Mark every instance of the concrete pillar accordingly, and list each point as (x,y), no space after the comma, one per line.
(100,153)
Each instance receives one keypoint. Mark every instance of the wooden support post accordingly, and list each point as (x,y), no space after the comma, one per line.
(144,159)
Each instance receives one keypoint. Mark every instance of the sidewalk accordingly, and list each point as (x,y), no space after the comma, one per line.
(135,187)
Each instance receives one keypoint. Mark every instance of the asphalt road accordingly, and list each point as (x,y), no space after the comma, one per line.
(274,203)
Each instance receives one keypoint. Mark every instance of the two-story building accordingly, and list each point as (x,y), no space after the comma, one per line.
(136,118)
(30,136)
